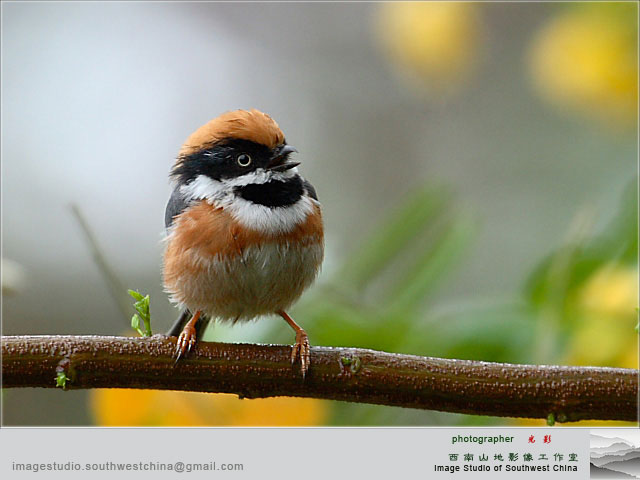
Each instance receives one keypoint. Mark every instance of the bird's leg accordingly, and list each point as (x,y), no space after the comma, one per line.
(188,336)
(178,325)
(301,346)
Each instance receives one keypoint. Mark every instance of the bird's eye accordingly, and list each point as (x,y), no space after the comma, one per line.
(243,160)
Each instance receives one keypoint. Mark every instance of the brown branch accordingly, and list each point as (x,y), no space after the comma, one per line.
(348,374)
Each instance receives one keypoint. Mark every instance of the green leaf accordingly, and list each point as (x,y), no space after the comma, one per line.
(400,228)
(553,285)
(135,322)
(143,310)
(551,419)
(136,295)
(142,307)
(432,265)
(61,380)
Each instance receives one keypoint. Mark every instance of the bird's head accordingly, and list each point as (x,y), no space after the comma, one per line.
(237,148)
(240,162)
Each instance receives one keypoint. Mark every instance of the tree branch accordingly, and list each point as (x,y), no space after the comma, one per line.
(348,374)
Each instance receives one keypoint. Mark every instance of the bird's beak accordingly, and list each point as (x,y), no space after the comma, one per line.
(279,161)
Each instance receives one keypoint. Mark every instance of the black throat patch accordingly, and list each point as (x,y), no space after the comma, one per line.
(273,193)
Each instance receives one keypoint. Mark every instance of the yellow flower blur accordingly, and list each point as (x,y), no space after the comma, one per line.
(128,407)
(611,291)
(605,334)
(436,43)
(607,305)
(585,61)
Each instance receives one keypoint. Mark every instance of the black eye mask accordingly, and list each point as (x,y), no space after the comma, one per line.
(220,161)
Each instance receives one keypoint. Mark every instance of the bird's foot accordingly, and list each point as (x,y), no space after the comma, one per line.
(301,348)
(186,341)
(188,337)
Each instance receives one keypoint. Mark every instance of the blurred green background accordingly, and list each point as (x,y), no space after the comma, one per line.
(476,162)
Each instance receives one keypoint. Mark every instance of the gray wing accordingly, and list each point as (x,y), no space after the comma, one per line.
(175,206)
(310,190)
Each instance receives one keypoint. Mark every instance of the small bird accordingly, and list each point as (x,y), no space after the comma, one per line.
(244,230)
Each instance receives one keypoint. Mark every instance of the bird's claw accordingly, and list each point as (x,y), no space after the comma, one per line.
(186,341)
(303,349)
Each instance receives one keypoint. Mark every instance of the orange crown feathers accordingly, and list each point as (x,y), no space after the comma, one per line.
(252,125)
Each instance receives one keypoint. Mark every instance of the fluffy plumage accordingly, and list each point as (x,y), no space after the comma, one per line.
(244,230)
(215,264)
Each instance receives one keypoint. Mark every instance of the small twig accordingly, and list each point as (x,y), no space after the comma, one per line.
(115,286)
(349,374)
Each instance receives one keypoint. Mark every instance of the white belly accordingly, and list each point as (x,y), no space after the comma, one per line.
(261,281)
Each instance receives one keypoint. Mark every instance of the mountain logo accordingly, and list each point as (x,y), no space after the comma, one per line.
(615,453)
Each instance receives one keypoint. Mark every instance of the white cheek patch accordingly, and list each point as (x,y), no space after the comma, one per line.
(274,220)
(204,187)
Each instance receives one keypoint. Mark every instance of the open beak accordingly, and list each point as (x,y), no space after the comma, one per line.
(279,162)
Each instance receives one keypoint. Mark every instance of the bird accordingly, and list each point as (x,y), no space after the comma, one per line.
(244,230)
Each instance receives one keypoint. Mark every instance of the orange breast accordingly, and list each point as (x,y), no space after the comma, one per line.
(212,231)
(204,235)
